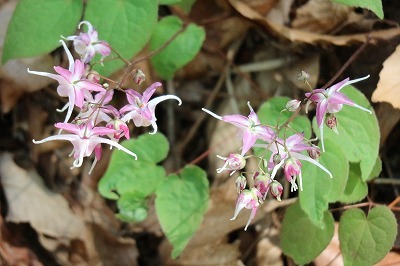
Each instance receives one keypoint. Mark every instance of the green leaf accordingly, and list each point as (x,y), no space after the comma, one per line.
(358,132)
(124,174)
(180,51)
(356,189)
(131,208)
(376,170)
(373,5)
(125,24)
(36,27)
(318,188)
(180,205)
(270,111)
(300,238)
(366,240)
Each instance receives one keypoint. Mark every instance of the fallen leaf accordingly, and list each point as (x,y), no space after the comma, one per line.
(30,201)
(320,16)
(296,35)
(268,251)
(388,88)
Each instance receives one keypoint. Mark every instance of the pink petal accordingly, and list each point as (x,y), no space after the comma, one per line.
(150,91)
(321,110)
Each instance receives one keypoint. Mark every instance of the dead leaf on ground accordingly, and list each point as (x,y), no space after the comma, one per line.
(320,16)
(388,88)
(296,35)
(208,254)
(269,252)
(30,201)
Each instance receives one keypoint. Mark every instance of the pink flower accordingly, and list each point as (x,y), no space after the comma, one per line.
(71,83)
(250,126)
(330,101)
(233,162)
(86,140)
(261,182)
(290,153)
(141,109)
(87,44)
(248,199)
(276,189)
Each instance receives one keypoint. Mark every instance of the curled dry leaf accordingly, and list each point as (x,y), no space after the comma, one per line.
(388,88)
(320,16)
(268,251)
(30,201)
(296,35)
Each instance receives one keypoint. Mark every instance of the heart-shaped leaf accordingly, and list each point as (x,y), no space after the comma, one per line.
(125,24)
(36,26)
(318,188)
(366,240)
(300,238)
(180,205)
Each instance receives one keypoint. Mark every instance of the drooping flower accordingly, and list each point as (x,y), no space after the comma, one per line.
(250,126)
(330,101)
(85,139)
(240,183)
(141,109)
(234,162)
(276,189)
(72,84)
(290,152)
(261,182)
(87,44)
(248,199)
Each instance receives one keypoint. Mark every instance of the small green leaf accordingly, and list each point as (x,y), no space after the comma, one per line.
(356,189)
(358,132)
(318,188)
(300,238)
(366,240)
(373,5)
(36,26)
(180,205)
(131,208)
(180,51)
(125,24)
(270,111)
(124,174)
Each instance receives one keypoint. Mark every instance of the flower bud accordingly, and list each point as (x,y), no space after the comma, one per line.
(276,189)
(240,183)
(293,105)
(314,153)
(303,76)
(234,162)
(331,122)
(139,77)
(261,182)
(276,159)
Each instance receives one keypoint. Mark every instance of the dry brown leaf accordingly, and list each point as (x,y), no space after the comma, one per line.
(209,254)
(268,251)
(296,35)
(331,254)
(279,14)
(320,16)
(30,201)
(388,88)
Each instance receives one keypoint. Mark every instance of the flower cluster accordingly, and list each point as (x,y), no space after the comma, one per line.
(284,153)
(98,122)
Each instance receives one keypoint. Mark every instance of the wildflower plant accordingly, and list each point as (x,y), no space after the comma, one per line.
(331,165)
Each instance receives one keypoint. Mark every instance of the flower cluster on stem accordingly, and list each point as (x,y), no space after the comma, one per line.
(286,153)
(98,122)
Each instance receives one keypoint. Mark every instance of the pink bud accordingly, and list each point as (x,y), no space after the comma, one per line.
(139,77)
(234,162)
(331,122)
(293,105)
(276,189)
(240,183)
